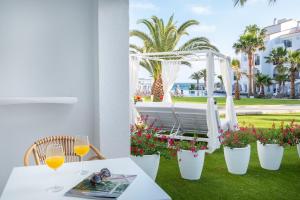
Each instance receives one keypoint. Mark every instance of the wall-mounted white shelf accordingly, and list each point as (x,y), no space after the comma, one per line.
(37,100)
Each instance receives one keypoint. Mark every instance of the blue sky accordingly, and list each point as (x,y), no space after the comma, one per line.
(219,21)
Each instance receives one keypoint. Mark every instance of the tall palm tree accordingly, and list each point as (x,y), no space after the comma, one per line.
(242,2)
(165,37)
(236,66)
(249,42)
(262,80)
(196,76)
(278,57)
(294,62)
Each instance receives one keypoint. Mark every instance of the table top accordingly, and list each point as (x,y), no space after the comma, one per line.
(30,183)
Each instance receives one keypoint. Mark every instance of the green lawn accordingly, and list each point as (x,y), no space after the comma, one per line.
(216,183)
(243,101)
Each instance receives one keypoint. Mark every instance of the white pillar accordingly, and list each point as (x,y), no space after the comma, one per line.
(113,21)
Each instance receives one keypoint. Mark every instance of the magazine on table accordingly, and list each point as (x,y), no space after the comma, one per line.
(109,188)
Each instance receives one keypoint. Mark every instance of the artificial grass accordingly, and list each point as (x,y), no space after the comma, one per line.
(244,101)
(217,184)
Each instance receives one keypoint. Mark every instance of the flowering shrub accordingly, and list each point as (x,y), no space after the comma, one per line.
(281,135)
(192,146)
(238,139)
(137,98)
(294,130)
(144,140)
(296,133)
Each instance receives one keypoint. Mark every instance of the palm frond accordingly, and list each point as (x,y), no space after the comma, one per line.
(185,25)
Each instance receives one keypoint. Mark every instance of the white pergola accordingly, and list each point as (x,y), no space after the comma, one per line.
(171,62)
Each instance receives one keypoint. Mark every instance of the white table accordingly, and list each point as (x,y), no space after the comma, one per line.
(31,183)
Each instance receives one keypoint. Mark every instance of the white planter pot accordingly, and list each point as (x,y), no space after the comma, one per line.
(298,148)
(270,155)
(237,159)
(148,163)
(190,166)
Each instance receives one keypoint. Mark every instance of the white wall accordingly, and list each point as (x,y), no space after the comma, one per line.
(114,77)
(47,48)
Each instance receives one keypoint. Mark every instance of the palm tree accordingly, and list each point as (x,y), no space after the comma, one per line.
(249,42)
(165,37)
(204,76)
(278,57)
(281,78)
(294,61)
(242,2)
(236,66)
(196,76)
(221,81)
(262,80)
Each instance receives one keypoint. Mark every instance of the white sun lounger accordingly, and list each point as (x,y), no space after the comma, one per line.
(192,118)
(179,119)
(159,114)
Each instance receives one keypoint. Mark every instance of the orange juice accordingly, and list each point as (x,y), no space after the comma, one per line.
(55,162)
(81,150)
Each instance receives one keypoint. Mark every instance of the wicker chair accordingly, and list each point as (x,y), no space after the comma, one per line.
(38,149)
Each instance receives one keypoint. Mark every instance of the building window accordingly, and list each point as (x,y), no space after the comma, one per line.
(287,43)
(257,59)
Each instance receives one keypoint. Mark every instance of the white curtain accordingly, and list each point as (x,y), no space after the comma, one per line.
(134,64)
(226,71)
(213,131)
(170,70)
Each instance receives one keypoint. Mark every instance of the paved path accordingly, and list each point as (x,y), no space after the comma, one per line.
(264,109)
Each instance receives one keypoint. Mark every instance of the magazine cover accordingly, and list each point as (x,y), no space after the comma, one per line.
(110,188)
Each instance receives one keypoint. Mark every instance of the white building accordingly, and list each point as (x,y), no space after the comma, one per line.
(283,33)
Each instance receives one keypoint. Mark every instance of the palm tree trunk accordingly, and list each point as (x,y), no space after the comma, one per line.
(250,78)
(237,90)
(279,87)
(262,90)
(198,87)
(157,89)
(293,75)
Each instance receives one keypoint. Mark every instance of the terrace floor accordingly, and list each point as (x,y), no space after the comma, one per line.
(217,183)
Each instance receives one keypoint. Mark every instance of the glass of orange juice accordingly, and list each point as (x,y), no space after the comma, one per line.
(55,158)
(81,148)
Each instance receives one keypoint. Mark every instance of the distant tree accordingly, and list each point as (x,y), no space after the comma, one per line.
(278,57)
(262,80)
(249,42)
(204,76)
(294,65)
(196,76)
(221,81)
(236,66)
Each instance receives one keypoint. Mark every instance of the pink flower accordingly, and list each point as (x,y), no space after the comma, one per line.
(141,151)
(171,142)
(203,147)
(193,149)
(139,133)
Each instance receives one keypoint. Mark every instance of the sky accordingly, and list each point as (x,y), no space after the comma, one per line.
(220,21)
